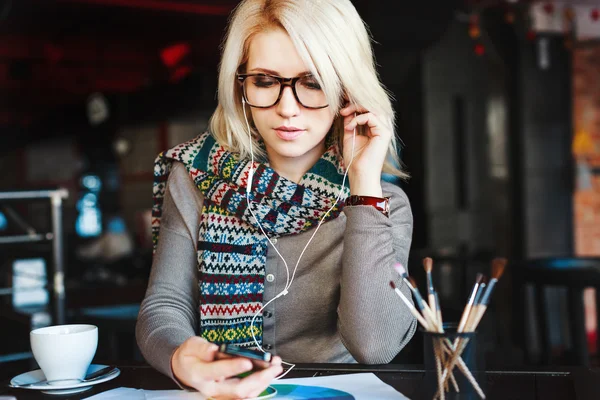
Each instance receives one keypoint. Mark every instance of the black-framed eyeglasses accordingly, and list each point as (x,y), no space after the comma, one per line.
(264,90)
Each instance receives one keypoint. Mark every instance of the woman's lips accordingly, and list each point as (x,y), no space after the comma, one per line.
(288,133)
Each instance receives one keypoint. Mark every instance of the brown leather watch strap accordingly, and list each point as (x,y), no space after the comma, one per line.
(380,203)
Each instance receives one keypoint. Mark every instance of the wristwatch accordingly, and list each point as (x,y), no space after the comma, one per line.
(380,203)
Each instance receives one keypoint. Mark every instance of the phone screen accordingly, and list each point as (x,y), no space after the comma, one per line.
(259,359)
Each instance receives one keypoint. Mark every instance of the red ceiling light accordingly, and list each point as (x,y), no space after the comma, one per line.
(549,8)
(172,55)
(479,49)
(595,14)
(174,58)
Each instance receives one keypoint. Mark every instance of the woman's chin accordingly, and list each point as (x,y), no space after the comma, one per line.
(289,154)
(288,150)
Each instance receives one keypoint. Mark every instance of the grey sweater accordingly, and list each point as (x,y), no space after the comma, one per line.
(340,307)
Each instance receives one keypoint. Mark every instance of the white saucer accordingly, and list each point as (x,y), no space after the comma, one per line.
(38,375)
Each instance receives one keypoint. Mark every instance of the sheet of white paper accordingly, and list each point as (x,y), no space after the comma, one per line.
(120,393)
(364,386)
(172,394)
(140,394)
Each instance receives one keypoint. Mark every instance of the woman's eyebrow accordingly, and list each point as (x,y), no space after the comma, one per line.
(271,72)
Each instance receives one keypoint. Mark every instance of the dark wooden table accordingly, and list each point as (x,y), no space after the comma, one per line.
(560,383)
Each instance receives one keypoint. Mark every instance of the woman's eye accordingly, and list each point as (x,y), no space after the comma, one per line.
(263,81)
(311,83)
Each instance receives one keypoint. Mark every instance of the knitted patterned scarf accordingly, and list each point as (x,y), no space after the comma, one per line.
(232,251)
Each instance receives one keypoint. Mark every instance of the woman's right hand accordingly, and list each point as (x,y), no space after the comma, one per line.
(195,364)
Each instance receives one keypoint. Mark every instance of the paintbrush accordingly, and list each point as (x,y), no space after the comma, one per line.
(430,314)
(476,302)
(437,343)
(438,309)
(498,266)
(422,305)
(428,266)
(470,302)
(410,306)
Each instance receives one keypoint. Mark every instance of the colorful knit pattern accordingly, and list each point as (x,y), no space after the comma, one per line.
(232,251)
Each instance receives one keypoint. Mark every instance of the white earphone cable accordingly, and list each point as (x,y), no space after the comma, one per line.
(288,280)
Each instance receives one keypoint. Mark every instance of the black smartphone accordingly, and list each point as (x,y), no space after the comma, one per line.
(259,359)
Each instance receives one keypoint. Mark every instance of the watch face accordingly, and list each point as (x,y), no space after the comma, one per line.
(380,203)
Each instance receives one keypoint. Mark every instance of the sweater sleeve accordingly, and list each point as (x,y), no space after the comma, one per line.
(374,324)
(168,314)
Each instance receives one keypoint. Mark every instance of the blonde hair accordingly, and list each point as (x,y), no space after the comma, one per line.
(335,45)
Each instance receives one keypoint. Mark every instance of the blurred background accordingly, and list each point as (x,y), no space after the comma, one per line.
(498,109)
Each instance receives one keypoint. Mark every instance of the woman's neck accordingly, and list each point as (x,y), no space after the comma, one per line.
(294,168)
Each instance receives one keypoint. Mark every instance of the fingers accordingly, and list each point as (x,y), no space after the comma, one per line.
(199,348)
(258,381)
(197,363)
(224,368)
(363,119)
(266,375)
(276,360)
(188,359)
(348,119)
(351,109)
(250,386)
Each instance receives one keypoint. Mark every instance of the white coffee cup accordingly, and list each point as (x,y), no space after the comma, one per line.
(64,352)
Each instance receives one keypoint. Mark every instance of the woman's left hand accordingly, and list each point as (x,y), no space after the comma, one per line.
(370,150)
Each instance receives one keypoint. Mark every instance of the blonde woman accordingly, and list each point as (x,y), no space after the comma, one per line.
(274,229)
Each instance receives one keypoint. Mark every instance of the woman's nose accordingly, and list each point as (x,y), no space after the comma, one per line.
(288,105)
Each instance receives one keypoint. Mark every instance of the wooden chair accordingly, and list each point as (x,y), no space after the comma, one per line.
(574,274)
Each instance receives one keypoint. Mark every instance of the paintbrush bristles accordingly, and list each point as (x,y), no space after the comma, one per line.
(479,278)
(400,270)
(428,264)
(412,281)
(498,265)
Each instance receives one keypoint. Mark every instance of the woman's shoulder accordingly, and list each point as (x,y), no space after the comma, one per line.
(179,173)
(186,152)
(181,185)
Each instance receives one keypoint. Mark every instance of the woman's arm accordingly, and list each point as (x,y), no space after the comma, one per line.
(168,313)
(374,324)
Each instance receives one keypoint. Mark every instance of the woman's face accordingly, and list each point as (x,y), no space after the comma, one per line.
(291,132)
